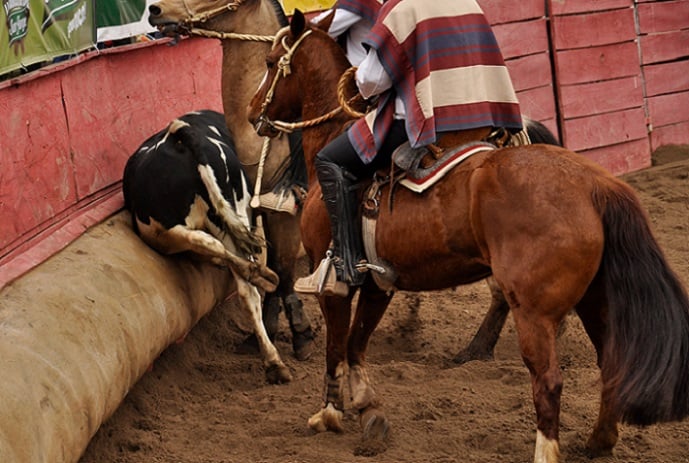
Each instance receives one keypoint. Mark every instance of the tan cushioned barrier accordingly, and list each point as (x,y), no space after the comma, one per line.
(79,330)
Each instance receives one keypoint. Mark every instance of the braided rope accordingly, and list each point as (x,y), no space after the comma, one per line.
(291,126)
(345,103)
(231,35)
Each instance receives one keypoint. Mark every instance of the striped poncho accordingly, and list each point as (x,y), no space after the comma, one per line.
(446,66)
(367,9)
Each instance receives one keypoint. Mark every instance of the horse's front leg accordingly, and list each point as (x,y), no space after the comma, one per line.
(370,309)
(336,312)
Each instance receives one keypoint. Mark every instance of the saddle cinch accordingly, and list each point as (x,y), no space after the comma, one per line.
(419,169)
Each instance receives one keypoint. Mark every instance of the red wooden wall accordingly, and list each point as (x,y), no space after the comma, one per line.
(664,51)
(610,76)
(67,132)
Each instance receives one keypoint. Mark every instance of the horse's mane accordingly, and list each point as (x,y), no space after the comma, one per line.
(280,12)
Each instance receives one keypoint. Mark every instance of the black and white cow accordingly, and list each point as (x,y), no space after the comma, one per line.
(187,192)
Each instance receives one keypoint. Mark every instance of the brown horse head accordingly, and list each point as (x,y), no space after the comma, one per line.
(293,69)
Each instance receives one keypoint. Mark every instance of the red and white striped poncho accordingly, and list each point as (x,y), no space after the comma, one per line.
(445,64)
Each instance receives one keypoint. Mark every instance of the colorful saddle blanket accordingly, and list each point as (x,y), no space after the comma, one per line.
(420,178)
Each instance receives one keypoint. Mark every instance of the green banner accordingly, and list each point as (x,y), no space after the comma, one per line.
(121,19)
(119,12)
(38,31)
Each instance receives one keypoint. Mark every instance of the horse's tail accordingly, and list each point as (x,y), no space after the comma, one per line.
(539,133)
(645,364)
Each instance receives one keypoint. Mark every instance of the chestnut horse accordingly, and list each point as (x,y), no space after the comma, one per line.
(556,231)
(241,26)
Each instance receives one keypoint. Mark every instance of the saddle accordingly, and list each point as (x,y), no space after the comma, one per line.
(420,168)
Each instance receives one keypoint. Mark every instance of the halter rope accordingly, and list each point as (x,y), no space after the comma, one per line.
(284,70)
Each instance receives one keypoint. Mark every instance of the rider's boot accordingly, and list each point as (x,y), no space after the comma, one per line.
(338,271)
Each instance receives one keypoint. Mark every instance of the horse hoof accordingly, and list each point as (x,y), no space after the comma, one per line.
(596,449)
(375,425)
(376,430)
(278,374)
(466,355)
(303,346)
(328,419)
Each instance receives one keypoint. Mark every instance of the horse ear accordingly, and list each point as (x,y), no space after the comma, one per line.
(324,23)
(298,23)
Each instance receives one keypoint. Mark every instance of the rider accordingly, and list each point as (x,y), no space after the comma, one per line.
(437,70)
(352,21)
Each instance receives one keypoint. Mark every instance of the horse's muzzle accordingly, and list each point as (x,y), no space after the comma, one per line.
(264,128)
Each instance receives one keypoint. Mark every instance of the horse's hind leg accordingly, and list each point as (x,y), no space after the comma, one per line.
(591,311)
(482,345)
(370,309)
(537,335)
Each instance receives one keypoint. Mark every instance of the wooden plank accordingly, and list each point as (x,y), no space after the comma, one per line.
(131,110)
(530,71)
(597,63)
(663,16)
(575,31)
(538,103)
(36,177)
(675,134)
(667,78)
(496,12)
(623,157)
(605,129)
(560,7)
(669,109)
(601,97)
(665,46)
(511,38)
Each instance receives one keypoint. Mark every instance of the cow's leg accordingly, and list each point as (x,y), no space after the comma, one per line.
(180,238)
(276,371)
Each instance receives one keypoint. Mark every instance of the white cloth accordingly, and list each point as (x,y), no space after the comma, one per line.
(372,79)
(356,28)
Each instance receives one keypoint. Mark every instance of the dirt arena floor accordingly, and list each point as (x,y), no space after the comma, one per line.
(204,402)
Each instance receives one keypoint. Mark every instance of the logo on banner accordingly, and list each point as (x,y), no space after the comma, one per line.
(56,10)
(17,14)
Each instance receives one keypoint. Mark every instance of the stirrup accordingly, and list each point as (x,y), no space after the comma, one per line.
(323,281)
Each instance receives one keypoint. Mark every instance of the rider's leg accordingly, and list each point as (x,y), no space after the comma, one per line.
(339,167)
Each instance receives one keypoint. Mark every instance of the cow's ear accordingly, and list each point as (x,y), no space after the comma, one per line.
(298,23)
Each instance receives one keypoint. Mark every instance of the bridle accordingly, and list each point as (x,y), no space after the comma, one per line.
(188,26)
(284,70)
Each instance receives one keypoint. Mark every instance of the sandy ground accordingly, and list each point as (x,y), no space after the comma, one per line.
(204,402)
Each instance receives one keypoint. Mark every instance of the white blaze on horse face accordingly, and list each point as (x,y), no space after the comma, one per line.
(263,82)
